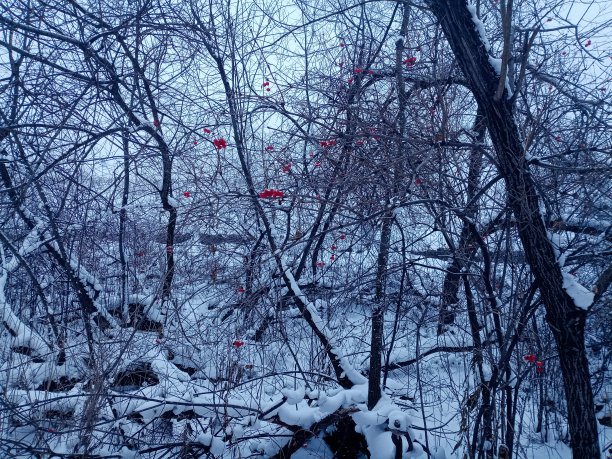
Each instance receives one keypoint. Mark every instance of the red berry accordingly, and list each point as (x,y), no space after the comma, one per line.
(271,194)
(187,194)
(220,143)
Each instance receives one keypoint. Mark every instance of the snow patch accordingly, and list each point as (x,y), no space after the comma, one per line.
(480,28)
(583,298)
(496,63)
(294,396)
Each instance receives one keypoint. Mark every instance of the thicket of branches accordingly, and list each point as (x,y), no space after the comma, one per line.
(230,228)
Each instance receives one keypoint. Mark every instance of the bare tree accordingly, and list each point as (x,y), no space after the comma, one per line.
(233,229)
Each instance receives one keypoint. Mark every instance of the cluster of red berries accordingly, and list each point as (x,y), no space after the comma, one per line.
(539,365)
(204,130)
(334,247)
(271,194)
(327,143)
(220,143)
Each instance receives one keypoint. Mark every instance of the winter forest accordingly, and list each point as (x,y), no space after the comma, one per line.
(305,229)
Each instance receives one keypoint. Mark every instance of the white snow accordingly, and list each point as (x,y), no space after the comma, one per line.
(479,25)
(583,298)
(496,63)
(173,202)
(25,336)
(354,376)
(294,396)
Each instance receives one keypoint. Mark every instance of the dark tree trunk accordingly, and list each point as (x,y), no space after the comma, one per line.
(378,315)
(452,280)
(122,221)
(565,319)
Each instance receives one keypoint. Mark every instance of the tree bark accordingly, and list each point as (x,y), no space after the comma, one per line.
(122,221)
(566,321)
(378,315)
(452,280)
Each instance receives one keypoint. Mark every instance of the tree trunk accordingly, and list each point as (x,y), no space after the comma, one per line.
(378,315)
(380,303)
(452,280)
(565,319)
(122,221)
